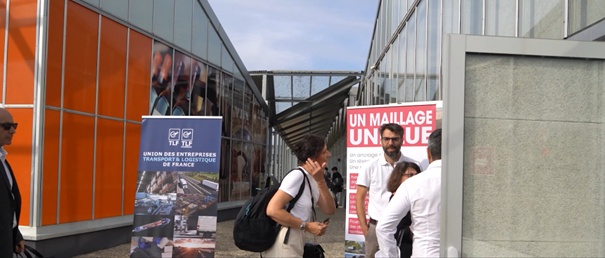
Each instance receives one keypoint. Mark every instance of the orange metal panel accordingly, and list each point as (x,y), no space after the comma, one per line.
(131,165)
(21,52)
(77,146)
(50,173)
(20,157)
(54,55)
(81,35)
(112,68)
(108,173)
(139,76)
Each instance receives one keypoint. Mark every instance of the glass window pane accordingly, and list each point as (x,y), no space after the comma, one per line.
(212,90)
(386,81)
(163,19)
(224,179)
(403,9)
(500,17)
(379,35)
(236,72)
(161,80)
(472,17)
(246,118)
(420,82)
(198,91)
(282,87)
(182,78)
(336,79)
(237,110)
(583,13)
(395,15)
(387,20)
(182,23)
(451,15)
(141,14)
(434,48)
(214,46)
(227,62)
(394,71)
(541,19)
(411,37)
(241,186)
(117,8)
(226,104)
(319,83)
(301,87)
(93,2)
(200,31)
(281,106)
(546,116)
(401,70)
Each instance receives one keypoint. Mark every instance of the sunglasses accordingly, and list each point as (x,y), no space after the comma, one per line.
(7,126)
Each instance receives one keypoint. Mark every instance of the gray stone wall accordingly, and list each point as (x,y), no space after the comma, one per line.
(534,181)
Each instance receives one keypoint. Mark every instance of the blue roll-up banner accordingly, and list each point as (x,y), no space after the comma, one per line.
(176,198)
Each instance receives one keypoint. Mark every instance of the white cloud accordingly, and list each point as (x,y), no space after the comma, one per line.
(299,35)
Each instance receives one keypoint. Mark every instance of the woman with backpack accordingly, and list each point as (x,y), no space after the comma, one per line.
(312,155)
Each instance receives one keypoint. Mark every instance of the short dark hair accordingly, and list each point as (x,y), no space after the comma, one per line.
(309,146)
(396,128)
(334,168)
(395,178)
(435,144)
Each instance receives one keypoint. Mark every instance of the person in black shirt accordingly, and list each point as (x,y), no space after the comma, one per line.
(401,172)
(337,184)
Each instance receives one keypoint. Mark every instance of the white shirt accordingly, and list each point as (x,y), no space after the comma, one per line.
(421,195)
(291,184)
(375,175)
(10,179)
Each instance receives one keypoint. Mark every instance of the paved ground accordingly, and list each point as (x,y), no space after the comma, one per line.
(332,242)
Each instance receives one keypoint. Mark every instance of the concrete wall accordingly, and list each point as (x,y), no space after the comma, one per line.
(534,157)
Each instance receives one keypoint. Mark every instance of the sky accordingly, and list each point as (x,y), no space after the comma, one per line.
(299,34)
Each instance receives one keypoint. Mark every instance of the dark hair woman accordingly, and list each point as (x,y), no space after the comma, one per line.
(312,156)
(402,172)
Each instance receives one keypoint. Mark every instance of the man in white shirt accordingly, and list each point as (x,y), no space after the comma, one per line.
(373,179)
(11,239)
(421,196)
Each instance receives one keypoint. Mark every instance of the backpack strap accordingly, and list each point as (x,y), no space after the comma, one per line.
(312,199)
(300,191)
(298,195)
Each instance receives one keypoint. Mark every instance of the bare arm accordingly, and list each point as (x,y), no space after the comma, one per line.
(276,211)
(325,202)
(360,199)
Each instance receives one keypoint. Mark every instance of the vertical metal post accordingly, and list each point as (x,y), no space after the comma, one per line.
(483,20)
(517,7)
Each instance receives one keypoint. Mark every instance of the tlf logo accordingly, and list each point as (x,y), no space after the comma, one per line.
(187,138)
(173,136)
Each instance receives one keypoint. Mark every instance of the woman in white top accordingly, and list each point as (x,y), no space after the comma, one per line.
(312,156)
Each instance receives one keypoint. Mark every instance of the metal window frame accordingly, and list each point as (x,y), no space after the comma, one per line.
(8,6)
(456,48)
(94,148)
(61,112)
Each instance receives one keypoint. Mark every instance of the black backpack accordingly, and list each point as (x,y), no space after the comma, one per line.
(253,230)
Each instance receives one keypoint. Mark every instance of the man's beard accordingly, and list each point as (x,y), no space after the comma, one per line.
(391,154)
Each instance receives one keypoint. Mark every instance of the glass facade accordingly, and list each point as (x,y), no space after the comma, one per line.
(404,64)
